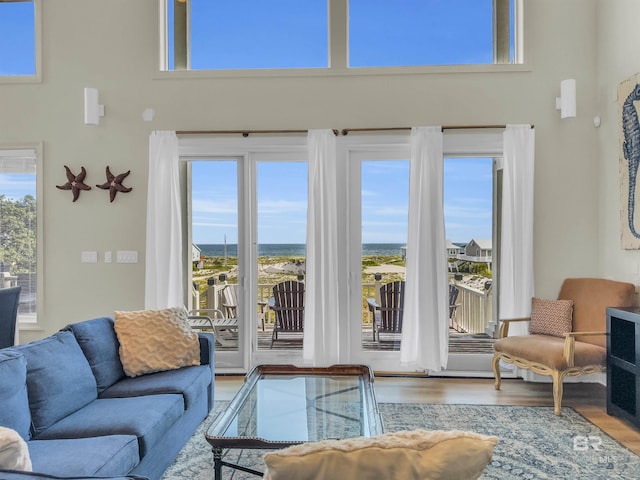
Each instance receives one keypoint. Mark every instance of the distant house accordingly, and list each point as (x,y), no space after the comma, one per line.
(478,251)
(453,250)
(196,256)
(479,248)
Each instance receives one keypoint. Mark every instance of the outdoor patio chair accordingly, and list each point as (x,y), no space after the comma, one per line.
(453,307)
(230,301)
(568,336)
(213,320)
(388,317)
(288,305)
(9,302)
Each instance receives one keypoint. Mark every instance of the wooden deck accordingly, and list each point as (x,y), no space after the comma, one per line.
(458,342)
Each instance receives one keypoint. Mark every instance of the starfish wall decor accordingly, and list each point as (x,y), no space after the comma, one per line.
(114,184)
(75,183)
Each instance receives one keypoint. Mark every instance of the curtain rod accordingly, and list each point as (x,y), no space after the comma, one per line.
(244,133)
(344,131)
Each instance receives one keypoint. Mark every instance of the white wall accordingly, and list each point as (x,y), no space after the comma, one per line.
(112,45)
(618,59)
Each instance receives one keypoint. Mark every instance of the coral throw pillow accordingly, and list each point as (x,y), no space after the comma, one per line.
(551,317)
(156,340)
(406,455)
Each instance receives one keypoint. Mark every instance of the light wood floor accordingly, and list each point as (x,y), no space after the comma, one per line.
(587,399)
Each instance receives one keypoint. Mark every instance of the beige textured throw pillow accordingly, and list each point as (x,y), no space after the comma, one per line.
(14,454)
(551,317)
(405,455)
(156,340)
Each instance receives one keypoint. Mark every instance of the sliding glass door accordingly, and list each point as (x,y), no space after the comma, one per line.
(281,187)
(249,201)
(378,224)
(247,208)
(216,259)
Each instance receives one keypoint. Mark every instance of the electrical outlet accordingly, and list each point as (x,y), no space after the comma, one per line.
(89,257)
(127,256)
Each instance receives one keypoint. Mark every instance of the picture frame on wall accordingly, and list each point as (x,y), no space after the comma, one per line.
(629,162)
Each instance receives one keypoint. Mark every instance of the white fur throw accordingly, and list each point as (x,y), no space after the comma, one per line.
(406,455)
(14,453)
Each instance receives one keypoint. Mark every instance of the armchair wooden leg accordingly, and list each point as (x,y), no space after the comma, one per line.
(557,392)
(495,363)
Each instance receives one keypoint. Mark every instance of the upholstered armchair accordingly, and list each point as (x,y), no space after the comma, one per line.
(568,336)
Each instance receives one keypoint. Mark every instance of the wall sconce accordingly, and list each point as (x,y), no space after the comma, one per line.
(566,102)
(92,111)
(148,114)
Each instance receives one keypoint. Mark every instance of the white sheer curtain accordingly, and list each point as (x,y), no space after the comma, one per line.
(321,334)
(163,276)
(516,259)
(425,328)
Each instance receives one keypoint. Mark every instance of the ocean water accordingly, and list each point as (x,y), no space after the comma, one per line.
(294,249)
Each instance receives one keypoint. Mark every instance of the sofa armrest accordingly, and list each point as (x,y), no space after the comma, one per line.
(19,475)
(207,350)
(504,325)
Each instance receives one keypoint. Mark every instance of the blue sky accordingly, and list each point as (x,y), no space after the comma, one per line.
(293,33)
(17,44)
(282,201)
(15,186)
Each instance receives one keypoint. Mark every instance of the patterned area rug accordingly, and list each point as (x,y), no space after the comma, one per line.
(533,443)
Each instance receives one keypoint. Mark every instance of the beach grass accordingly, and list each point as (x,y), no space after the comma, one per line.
(214,266)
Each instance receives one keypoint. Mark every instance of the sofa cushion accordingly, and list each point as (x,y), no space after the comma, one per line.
(407,455)
(551,317)
(148,418)
(97,456)
(59,379)
(14,453)
(156,340)
(190,382)
(15,412)
(100,345)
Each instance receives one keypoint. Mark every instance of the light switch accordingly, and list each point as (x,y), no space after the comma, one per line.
(89,257)
(127,256)
(107,257)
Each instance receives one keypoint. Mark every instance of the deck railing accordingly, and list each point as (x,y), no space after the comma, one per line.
(475,310)
(474,313)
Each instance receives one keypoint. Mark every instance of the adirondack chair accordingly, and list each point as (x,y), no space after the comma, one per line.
(230,301)
(388,318)
(453,307)
(288,306)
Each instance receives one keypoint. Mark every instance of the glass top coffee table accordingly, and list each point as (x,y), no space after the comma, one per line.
(283,405)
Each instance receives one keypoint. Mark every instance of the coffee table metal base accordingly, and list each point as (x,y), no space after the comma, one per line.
(218,463)
(332,402)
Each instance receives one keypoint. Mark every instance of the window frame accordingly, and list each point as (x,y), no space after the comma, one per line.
(37,76)
(338,52)
(36,148)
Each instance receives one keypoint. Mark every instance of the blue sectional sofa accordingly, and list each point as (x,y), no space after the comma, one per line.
(68,397)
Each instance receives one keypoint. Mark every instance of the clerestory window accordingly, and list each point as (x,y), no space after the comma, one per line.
(19,23)
(337,35)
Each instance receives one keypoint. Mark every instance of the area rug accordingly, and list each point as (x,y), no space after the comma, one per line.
(533,443)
